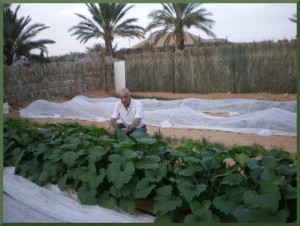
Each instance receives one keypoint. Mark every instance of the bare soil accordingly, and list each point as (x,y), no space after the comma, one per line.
(288,143)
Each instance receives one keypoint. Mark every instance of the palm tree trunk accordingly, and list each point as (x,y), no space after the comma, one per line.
(179,39)
(108,47)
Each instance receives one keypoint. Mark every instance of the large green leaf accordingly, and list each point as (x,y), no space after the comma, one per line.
(87,195)
(148,162)
(7,145)
(91,176)
(83,174)
(224,204)
(62,182)
(119,174)
(164,201)
(175,153)
(269,174)
(189,190)
(129,154)
(210,162)
(244,214)
(115,158)
(95,153)
(143,189)
(157,174)
(115,192)
(40,149)
(269,216)
(44,176)
(128,190)
(17,156)
(290,192)
(26,139)
(127,205)
(268,197)
(260,214)
(143,138)
(73,144)
(191,170)
(56,141)
(269,162)
(241,158)
(106,200)
(121,135)
(202,210)
(97,178)
(191,159)
(232,179)
(70,157)
(53,168)
(252,164)
(73,172)
(192,218)
(30,167)
(236,193)
(46,134)
(56,155)
(269,189)
(290,169)
(167,218)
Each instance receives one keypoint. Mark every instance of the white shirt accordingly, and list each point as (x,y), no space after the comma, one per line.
(135,110)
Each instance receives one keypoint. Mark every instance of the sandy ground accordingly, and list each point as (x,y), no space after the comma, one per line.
(227,138)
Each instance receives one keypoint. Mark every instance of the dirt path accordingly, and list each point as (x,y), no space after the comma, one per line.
(288,143)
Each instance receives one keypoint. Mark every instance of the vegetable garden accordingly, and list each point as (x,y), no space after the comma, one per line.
(193,182)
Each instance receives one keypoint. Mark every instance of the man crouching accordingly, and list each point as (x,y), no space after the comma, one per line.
(131,113)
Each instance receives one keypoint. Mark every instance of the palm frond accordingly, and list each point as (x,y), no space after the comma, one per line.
(18,34)
(177,18)
(107,23)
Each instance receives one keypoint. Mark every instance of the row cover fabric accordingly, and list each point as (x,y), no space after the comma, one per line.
(26,202)
(241,115)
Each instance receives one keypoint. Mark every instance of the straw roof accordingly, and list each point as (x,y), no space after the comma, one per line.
(189,39)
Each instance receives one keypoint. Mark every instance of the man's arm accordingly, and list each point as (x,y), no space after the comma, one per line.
(135,123)
(111,125)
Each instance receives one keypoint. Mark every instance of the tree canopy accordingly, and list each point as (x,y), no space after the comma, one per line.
(175,18)
(18,37)
(108,22)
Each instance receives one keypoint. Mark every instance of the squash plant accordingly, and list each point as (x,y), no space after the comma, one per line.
(194,182)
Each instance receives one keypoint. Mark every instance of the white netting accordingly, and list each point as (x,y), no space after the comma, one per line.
(241,115)
(24,201)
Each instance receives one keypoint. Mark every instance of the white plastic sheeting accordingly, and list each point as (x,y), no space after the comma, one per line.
(24,201)
(260,117)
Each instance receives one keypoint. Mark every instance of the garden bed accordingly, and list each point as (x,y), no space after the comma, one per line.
(192,182)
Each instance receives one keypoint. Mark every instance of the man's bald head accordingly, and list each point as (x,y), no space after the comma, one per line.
(124,91)
(125,97)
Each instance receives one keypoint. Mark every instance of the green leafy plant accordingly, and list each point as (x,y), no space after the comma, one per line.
(193,182)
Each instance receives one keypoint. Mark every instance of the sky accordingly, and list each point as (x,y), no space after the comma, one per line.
(238,22)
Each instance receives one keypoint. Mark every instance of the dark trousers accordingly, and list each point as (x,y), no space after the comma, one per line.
(142,129)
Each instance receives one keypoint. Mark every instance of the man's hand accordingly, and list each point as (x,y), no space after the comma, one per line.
(125,130)
(111,131)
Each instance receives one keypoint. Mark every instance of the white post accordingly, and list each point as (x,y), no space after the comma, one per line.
(119,71)
(5,108)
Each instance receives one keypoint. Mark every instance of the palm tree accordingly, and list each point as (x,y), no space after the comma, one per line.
(106,24)
(176,18)
(98,47)
(18,36)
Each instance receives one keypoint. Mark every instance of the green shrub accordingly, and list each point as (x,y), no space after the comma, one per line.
(194,182)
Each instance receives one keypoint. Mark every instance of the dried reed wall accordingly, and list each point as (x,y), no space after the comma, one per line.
(243,68)
(237,68)
(62,77)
